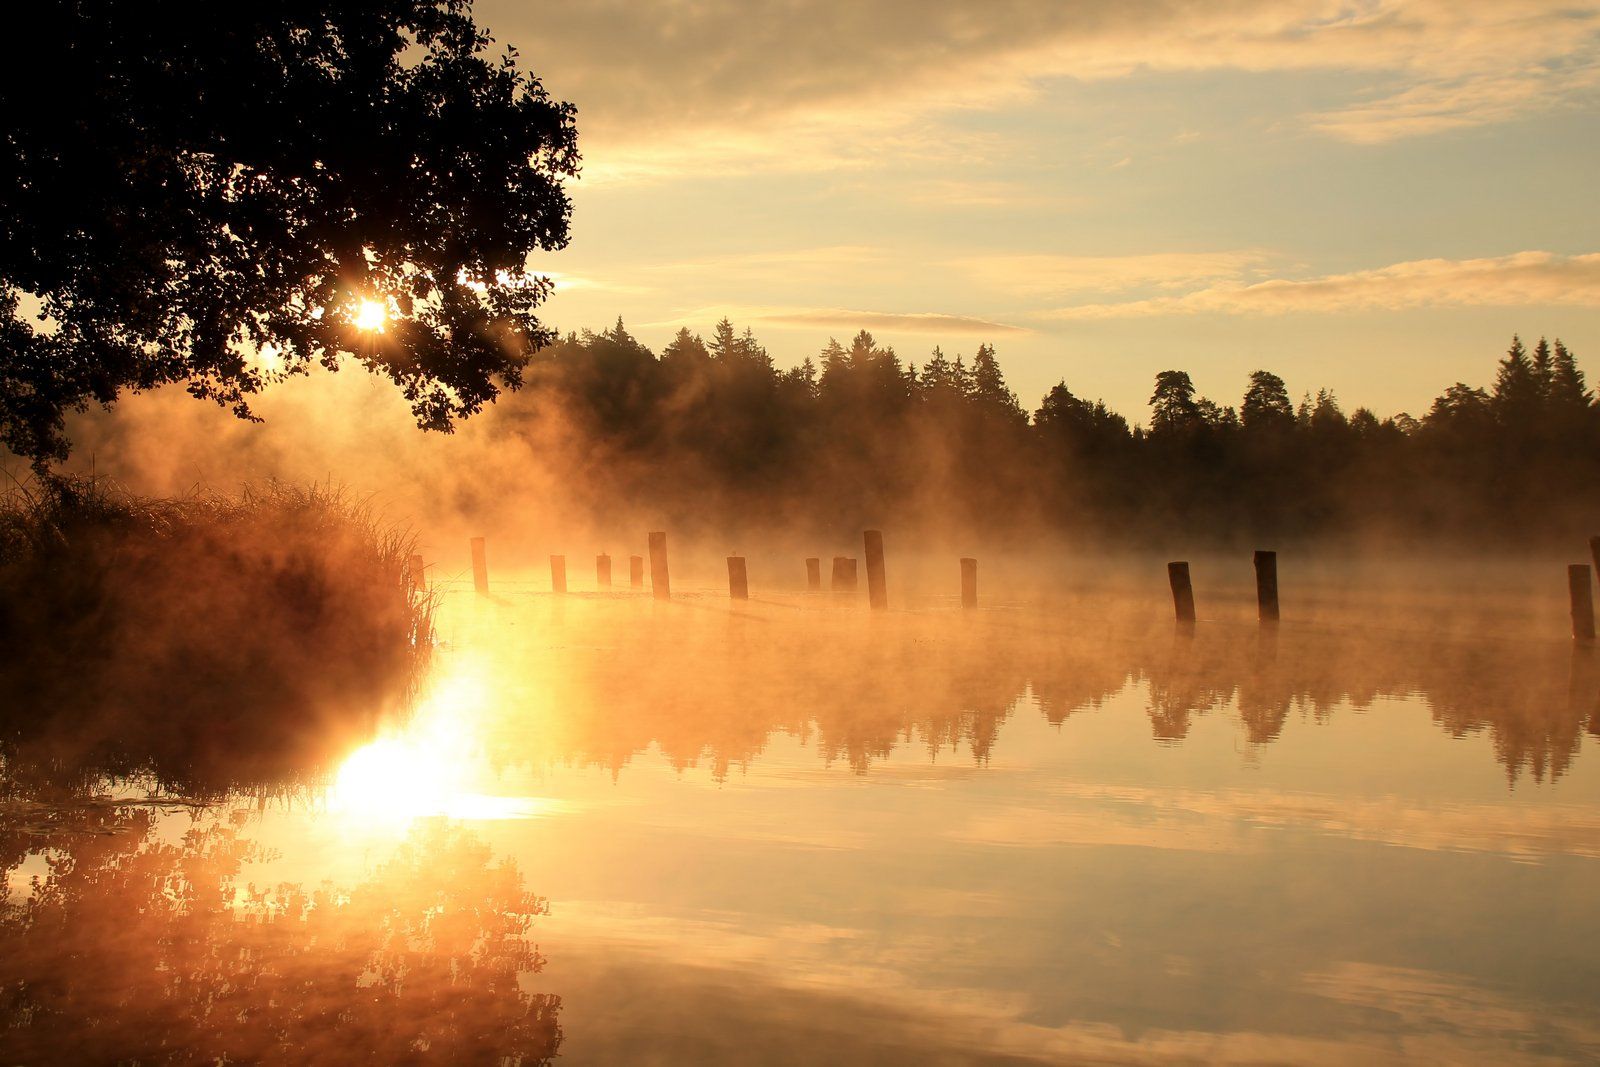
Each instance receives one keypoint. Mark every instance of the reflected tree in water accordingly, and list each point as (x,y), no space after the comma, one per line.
(133,946)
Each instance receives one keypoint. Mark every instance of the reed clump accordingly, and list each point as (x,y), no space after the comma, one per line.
(204,640)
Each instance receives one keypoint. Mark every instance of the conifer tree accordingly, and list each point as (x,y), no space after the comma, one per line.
(1266,403)
(1567,389)
(1515,399)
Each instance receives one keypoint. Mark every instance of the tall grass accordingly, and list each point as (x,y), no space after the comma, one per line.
(206,641)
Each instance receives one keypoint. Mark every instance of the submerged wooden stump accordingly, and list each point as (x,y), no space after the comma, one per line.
(636,572)
(877,584)
(1267,586)
(738,586)
(1182,592)
(660,583)
(969,582)
(558,574)
(480,566)
(813,574)
(602,571)
(844,575)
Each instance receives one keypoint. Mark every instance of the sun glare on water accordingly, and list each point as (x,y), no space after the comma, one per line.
(427,768)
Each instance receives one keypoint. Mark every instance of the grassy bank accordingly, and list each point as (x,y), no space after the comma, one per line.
(207,641)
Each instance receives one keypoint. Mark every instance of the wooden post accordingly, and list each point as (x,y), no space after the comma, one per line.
(636,572)
(1594,551)
(1582,602)
(813,574)
(1182,592)
(969,582)
(877,585)
(738,586)
(558,574)
(602,571)
(660,583)
(480,566)
(844,575)
(1267,586)
(419,571)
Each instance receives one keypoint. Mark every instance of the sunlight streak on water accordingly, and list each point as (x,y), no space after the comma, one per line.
(430,766)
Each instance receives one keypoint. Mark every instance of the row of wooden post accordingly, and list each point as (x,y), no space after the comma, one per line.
(1266,589)
(844,571)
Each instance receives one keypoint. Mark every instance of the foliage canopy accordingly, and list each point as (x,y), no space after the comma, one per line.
(207,194)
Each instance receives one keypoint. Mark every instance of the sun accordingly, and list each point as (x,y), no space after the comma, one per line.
(371,315)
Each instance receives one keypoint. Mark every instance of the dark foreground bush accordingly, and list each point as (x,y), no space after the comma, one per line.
(207,642)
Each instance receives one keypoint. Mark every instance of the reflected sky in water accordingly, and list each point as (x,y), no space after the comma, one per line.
(797,833)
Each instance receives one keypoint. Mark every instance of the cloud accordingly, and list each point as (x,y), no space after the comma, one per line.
(918,322)
(665,86)
(1052,275)
(1525,279)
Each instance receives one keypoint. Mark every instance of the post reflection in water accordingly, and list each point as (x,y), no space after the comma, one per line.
(798,834)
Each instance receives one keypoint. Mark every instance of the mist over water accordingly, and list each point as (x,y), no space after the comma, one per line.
(1055,828)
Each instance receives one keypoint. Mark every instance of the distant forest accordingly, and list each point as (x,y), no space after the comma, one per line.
(858,435)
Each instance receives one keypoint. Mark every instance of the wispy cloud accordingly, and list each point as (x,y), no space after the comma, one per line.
(673,86)
(1526,279)
(1042,275)
(929,323)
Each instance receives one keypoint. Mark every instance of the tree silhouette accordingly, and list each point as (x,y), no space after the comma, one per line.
(209,200)
(1172,405)
(1266,405)
(855,434)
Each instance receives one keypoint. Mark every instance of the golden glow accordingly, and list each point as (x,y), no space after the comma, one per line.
(429,766)
(371,315)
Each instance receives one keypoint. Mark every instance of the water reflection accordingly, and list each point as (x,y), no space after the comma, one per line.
(708,688)
(796,831)
(131,944)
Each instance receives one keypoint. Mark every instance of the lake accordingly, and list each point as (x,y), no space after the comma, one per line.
(793,831)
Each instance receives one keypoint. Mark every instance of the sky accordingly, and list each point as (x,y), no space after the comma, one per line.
(1369,195)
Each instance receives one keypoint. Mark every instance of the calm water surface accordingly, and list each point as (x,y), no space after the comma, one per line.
(620,832)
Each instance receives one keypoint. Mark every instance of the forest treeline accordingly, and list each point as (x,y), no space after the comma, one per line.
(712,428)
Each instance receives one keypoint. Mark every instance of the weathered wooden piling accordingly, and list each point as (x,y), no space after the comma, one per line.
(480,566)
(1182,592)
(558,574)
(814,574)
(877,584)
(660,584)
(738,586)
(636,572)
(602,571)
(1582,602)
(1267,586)
(844,575)
(969,582)
(419,571)
(1594,551)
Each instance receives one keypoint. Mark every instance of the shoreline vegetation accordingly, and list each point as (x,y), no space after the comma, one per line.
(711,431)
(201,644)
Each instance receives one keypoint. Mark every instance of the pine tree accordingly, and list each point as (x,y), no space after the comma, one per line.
(685,349)
(1515,400)
(1567,389)
(989,385)
(1543,370)
(1266,403)
(724,344)
(939,375)
(1173,405)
